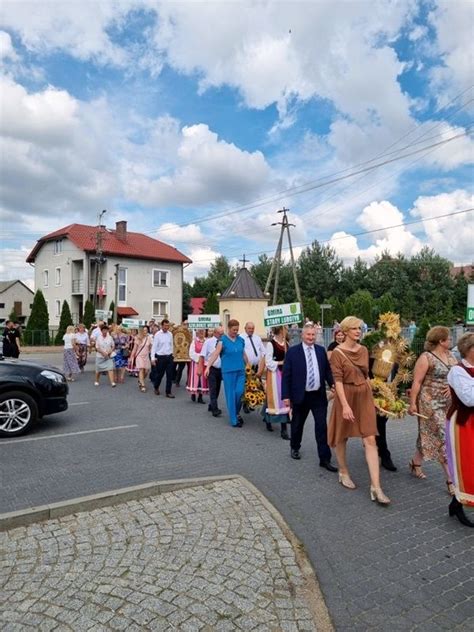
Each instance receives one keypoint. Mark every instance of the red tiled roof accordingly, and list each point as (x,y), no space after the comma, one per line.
(197,304)
(126,311)
(136,245)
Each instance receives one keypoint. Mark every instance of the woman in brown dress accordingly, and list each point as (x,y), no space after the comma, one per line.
(353,411)
(430,397)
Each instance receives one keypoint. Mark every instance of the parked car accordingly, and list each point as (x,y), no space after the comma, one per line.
(28,391)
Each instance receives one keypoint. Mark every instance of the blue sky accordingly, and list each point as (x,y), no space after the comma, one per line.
(167,114)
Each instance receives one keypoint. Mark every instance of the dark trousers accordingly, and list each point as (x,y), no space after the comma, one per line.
(164,364)
(215,381)
(311,402)
(178,372)
(381,440)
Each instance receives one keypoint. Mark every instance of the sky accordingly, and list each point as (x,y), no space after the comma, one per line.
(197,121)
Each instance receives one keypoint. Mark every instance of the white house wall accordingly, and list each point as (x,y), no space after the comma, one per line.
(16,293)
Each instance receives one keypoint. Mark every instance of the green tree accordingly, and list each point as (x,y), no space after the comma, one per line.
(286,283)
(187,294)
(460,295)
(37,328)
(13,315)
(64,322)
(355,278)
(89,314)
(386,303)
(219,277)
(211,306)
(418,342)
(311,309)
(319,271)
(362,305)
(431,281)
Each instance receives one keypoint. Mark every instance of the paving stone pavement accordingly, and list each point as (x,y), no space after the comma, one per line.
(206,558)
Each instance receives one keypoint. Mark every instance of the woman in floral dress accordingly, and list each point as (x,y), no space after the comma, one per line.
(430,399)
(120,337)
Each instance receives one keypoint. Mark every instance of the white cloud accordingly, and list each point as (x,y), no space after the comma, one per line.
(6,47)
(203,257)
(207,171)
(13,265)
(172,233)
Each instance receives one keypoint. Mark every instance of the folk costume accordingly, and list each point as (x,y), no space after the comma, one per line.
(274,410)
(197,384)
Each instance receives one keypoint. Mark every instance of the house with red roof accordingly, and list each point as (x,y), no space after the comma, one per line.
(142,275)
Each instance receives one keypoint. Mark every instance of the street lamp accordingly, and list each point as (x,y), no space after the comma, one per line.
(323,307)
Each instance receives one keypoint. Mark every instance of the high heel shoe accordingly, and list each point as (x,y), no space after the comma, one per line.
(346,481)
(456,509)
(376,494)
(415,469)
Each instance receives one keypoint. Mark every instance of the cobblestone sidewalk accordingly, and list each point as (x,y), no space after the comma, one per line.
(213,557)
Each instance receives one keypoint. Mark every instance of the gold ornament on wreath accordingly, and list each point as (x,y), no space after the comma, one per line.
(388,348)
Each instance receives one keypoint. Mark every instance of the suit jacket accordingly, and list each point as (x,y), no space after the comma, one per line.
(293,384)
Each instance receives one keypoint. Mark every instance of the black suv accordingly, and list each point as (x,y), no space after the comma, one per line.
(28,391)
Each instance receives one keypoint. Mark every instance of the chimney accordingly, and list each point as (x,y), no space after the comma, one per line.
(121,230)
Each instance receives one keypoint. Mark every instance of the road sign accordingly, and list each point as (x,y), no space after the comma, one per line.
(325,306)
(102,314)
(133,322)
(203,321)
(282,314)
(470,305)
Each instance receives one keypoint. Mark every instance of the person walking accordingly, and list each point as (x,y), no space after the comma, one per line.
(231,349)
(197,381)
(353,411)
(140,356)
(306,370)
(11,340)
(162,358)
(460,431)
(105,351)
(430,399)
(71,366)
(82,346)
(215,372)
(275,411)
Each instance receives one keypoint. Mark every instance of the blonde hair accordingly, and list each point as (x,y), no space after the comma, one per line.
(436,335)
(70,329)
(349,322)
(465,344)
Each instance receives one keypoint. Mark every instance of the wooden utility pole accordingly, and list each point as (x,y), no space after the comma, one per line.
(276,263)
(98,258)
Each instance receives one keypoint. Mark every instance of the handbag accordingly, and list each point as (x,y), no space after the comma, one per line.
(125,353)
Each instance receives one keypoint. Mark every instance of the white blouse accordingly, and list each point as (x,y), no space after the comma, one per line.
(462,384)
(69,340)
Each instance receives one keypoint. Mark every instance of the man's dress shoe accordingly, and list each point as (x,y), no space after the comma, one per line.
(327,466)
(295,454)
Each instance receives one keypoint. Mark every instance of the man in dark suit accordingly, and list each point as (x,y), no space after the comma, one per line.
(306,371)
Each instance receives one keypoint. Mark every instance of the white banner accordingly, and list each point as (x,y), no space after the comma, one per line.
(282,314)
(203,321)
(133,322)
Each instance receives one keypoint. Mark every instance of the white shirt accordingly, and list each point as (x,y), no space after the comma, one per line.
(462,383)
(162,344)
(208,348)
(69,340)
(82,338)
(253,358)
(317,378)
(105,345)
(95,333)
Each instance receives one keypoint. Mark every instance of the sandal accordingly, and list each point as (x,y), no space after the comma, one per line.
(415,469)
(450,486)
(142,388)
(346,481)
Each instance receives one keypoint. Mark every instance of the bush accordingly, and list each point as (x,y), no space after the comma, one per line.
(89,314)
(64,322)
(37,329)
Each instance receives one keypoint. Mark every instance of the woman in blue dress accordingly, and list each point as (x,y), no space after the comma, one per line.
(233,360)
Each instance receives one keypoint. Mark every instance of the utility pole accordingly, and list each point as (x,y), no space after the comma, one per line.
(114,315)
(276,263)
(98,258)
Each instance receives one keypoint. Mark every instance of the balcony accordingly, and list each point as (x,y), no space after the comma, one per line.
(100,286)
(77,286)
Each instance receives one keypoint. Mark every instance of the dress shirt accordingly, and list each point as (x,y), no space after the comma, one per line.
(208,348)
(162,344)
(462,383)
(254,359)
(317,379)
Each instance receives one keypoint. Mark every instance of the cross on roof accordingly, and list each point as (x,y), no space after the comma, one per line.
(244,261)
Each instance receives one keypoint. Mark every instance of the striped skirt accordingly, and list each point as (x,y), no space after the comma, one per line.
(70,362)
(460,453)
(275,410)
(196,383)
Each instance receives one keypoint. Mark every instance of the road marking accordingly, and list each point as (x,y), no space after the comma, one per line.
(67,434)
(78,403)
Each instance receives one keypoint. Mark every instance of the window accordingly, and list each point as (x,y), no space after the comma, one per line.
(122,285)
(2,305)
(160,278)
(58,246)
(57,305)
(45,278)
(58,276)
(160,308)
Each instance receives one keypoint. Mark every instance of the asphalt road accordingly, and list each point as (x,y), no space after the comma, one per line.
(404,567)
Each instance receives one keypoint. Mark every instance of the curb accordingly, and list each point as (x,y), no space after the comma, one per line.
(312,591)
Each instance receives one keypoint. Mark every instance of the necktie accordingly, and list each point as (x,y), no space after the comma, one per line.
(310,369)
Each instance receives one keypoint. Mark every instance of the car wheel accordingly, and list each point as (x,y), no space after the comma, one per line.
(18,412)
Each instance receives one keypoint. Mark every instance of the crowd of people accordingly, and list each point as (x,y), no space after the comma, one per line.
(297,380)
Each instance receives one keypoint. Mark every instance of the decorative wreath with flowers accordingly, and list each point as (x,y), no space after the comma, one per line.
(389,350)
(254,393)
